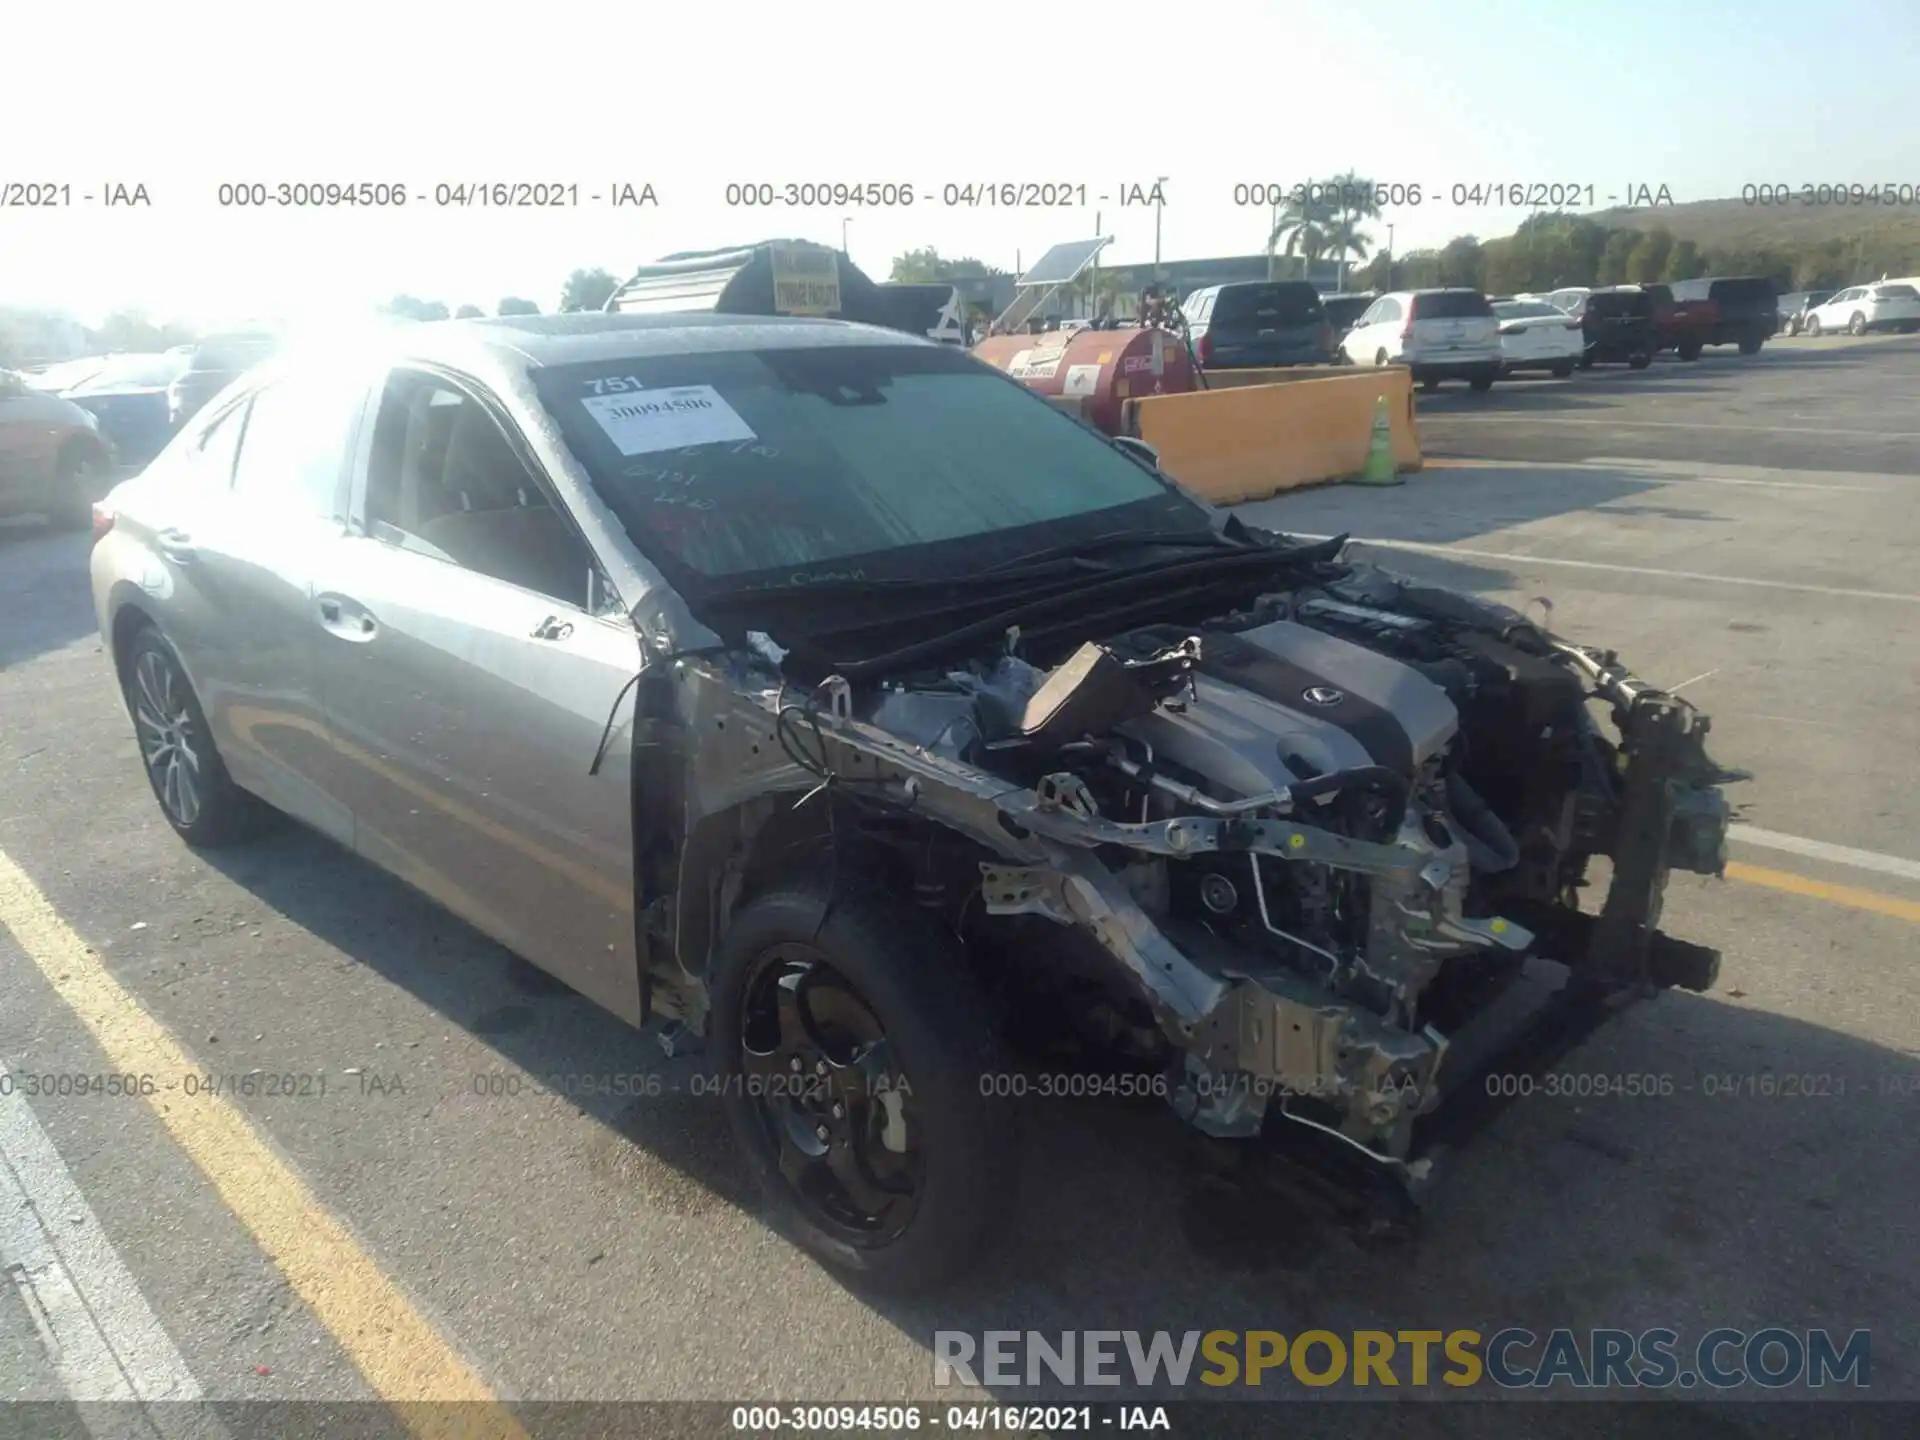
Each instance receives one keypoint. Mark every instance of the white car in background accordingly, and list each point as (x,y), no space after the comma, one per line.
(1887,305)
(1537,336)
(1437,334)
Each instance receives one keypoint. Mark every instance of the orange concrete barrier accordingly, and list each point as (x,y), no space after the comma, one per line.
(1247,442)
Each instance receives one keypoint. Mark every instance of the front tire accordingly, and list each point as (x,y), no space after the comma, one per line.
(189,779)
(1639,360)
(1690,350)
(1483,382)
(1751,345)
(1563,370)
(853,1048)
(1813,327)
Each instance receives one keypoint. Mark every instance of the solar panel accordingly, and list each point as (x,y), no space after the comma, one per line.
(1061,264)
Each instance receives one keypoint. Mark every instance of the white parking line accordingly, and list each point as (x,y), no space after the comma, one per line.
(1510,418)
(104,1341)
(1823,850)
(1511,557)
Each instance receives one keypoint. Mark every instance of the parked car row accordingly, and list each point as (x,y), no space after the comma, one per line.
(68,427)
(1459,333)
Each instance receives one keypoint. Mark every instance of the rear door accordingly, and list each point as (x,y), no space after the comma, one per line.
(249,559)
(472,658)
(1454,323)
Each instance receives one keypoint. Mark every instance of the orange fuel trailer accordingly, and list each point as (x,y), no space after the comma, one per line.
(1101,369)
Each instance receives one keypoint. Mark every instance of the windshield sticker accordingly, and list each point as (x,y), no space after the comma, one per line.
(1081,380)
(676,419)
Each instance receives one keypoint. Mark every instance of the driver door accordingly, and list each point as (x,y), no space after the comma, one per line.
(469,680)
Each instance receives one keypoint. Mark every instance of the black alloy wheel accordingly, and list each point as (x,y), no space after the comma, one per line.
(856,1057)
(831,1103)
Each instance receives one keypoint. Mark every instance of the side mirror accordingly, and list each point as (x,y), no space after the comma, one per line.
(1139,449)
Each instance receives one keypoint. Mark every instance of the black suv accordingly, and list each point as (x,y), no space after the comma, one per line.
(1619,326)
(1258,323)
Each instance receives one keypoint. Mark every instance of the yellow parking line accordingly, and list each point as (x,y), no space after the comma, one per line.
(405,1361)
(1847,895)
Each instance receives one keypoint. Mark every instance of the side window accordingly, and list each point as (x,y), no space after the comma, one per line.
(211,453)
(444,480)
(293,454)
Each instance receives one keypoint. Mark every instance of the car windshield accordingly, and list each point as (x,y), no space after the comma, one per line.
(132,372)
(1524,309)
(1290,302)
(1451,305)
(833,464)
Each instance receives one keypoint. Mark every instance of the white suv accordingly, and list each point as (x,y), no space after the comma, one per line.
(1438,334)
(1886,306)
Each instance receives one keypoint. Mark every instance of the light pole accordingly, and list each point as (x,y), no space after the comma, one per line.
(1159,204)
(1389,255)
(845,220)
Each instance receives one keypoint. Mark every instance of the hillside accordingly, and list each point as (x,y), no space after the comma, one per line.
(1734,225)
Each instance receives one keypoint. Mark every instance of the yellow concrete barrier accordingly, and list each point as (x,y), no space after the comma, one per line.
(1275,375)
(1247,442)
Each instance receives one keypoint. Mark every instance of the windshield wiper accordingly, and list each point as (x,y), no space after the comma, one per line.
(1115,540)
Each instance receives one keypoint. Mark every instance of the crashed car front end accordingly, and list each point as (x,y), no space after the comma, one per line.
(1320,859)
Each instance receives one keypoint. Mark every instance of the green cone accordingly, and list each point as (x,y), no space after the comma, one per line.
(1379,469)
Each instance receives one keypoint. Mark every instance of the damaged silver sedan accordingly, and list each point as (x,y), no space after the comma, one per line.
(824,698)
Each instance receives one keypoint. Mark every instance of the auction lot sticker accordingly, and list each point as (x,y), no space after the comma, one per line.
(666,419)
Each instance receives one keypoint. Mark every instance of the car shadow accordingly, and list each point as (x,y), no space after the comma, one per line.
(46,595)
(1577,1212)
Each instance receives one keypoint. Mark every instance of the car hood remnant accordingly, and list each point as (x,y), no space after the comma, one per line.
(1317,850)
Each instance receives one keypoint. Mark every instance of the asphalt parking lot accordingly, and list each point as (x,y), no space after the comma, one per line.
(429,1215)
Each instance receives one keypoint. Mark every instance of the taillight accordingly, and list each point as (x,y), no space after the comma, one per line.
(1204,350)
(102,519)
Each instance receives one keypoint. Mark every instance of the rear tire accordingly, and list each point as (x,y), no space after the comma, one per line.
(189,779)
(1751,345)
(1586,360)
(1857,325)
(1482,383)
(1563,369)
(1380,359)
(1640,360)
(956,1152)
(1690,350)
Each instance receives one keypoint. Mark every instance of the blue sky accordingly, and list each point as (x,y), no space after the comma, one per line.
(1697,95)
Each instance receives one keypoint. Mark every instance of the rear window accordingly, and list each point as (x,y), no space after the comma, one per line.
(1630,302)
(1451,305)
(1524,309)
(1896,292)
(1745,290)
(1289,302)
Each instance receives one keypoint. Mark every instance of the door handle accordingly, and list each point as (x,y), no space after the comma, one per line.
(552,628)
(346,619)
(176,545)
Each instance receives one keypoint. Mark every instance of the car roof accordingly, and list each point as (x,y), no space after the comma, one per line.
(534,341)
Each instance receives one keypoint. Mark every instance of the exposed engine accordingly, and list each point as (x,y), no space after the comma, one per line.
(1328,833)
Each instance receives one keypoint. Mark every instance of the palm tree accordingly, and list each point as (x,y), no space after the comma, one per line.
(1299,229)
(1355,202)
